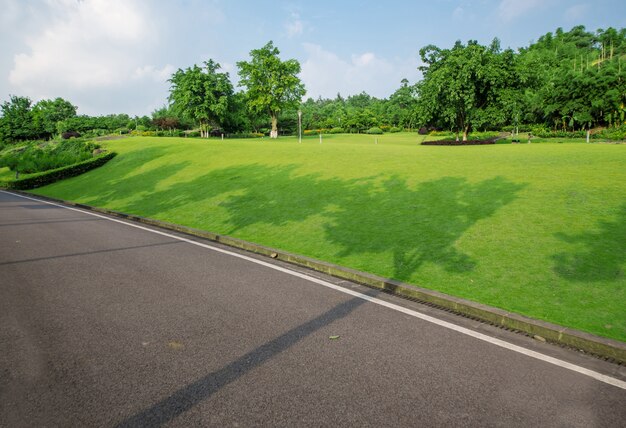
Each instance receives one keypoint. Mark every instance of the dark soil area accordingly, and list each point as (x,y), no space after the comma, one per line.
(460,143)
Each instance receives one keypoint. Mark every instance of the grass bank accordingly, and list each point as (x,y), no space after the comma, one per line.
(538,229)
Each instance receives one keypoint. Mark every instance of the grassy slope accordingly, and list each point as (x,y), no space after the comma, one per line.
(538,229)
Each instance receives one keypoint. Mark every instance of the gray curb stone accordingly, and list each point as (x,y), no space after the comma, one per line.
(599,346)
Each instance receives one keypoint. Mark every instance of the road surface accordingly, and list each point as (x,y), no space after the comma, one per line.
(106,323)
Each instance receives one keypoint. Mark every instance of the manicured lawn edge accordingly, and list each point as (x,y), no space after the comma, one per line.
(39,179)
(599,346)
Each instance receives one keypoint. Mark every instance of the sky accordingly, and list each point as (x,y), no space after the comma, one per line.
(115,56)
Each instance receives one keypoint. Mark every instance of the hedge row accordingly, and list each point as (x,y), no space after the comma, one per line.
(47,177)
(460,142)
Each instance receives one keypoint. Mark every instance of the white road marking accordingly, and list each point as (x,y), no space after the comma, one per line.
(494,341)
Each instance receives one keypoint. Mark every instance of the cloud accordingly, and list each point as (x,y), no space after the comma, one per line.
(86,46)
(295,27)
(102,55)
(508,10)
(576,12)
(458,13)
(325,73)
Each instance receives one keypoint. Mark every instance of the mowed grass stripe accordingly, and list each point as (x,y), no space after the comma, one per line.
(537,229)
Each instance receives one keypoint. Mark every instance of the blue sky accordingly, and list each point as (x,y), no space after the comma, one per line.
(115,56)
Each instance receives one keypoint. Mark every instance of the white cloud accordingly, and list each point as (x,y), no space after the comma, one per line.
(458,13)
(325,73)
(102,55)
(87,45)
(151,72)
(295,27)
(576,12)
(508,10)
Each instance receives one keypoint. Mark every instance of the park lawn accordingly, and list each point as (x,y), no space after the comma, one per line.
(537,229)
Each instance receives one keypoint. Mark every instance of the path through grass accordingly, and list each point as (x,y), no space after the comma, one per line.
(538,229)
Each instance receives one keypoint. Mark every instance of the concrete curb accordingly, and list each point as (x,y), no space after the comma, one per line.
(599,346)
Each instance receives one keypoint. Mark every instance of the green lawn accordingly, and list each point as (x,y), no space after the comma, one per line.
(538,229)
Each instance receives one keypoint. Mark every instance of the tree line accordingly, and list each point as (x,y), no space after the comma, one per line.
(566,80)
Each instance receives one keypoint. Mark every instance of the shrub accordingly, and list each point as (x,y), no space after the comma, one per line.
(310,132)
(395,129)
(375,130)
(193,134)
(336,130)
(559,134)
(246,135)
(48,177)
(70,134)
(617,133)
(37,157)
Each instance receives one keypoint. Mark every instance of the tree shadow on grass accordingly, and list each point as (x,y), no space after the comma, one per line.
(604,255)
(413,225)
(127,180)
(419,225)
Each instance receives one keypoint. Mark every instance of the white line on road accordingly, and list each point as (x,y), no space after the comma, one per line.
(498,342)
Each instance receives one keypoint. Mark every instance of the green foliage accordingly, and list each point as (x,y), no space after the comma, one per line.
(375,130)
(201,94)
(48,177)
(36,157)
(47,113)
(614,134)
(468,86)
(272,85)
(16,123)
(336,130)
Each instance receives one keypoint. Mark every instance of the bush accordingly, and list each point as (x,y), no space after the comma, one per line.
(336,130)
(615,134)
(310,132)
(37,157)
(375,130)
(395,129)
(48,177)
(246,135)
(193,134)
(70,134)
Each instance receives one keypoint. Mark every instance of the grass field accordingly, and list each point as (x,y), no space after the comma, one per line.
(538,229)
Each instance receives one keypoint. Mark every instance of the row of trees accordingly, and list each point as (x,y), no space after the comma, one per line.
(206,95)
(566,80)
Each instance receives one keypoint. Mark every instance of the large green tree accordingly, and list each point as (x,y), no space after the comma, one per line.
(16,122)
(467,86)
(272,85)
(201,94)
(47,113)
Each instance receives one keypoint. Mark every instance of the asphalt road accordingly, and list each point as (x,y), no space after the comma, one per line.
(105,324)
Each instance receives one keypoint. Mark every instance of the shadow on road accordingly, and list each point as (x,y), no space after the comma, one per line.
(185,398)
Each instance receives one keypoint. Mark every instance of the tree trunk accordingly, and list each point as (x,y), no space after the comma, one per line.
(465,132)
(274,133)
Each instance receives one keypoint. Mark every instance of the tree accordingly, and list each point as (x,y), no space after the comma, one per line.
(16,122)
(272,85)
(201,94)
(463,87)
(47,113)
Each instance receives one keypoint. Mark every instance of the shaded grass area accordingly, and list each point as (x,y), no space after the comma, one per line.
(535,229)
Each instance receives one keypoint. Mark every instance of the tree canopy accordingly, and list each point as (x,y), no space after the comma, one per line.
(201,94)
(272,85)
